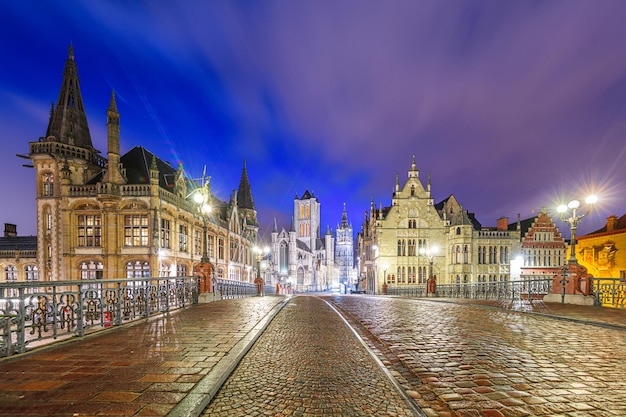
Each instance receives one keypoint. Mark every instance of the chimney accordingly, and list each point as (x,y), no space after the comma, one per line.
(611,222)
(502,224)
(10,230)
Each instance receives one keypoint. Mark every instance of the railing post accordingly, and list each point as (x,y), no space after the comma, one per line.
(79,313)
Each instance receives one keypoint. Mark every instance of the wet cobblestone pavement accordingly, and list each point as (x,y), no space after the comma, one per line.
(308,363)
(454,357)
(151,368)
(461,359)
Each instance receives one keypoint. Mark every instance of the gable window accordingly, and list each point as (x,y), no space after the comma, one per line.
(89,230)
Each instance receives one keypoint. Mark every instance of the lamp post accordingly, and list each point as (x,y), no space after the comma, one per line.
(201,197)
(574,219)
(430,253)
(573,274)
(260,252)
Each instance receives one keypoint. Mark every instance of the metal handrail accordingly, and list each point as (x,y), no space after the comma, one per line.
(32,313)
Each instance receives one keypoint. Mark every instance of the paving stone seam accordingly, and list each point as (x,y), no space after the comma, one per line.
(408,400)
(194,403)
(537,313)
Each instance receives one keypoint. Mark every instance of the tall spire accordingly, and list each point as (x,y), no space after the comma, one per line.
(244,193)
(68,123)
(344,217)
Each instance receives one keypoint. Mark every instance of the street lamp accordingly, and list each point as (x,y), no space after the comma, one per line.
(573,220)
(202,199)
(260,252)
(429,253)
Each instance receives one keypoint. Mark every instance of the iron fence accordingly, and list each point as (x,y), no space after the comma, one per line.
(35,312)
(228,288)
(528,289)
(610,292)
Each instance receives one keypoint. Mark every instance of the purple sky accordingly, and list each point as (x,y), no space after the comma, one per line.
(511,106)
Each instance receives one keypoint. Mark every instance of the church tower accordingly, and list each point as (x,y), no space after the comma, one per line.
(245,205)
(344,251)
(306,215)
(63,159)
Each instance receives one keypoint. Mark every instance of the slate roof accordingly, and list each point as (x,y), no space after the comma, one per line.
(22,243)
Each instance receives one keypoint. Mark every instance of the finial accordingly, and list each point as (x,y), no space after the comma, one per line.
(413,163)
(70,52)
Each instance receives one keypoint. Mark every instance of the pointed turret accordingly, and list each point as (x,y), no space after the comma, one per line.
(113,173)
(68,124)
(244,194)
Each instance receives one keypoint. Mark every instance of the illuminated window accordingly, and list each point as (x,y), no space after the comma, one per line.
(89,230)
(136,230)
(31,273)
(182,238)
(181,270)
(165,269)
(137,269)
(220,248)
(165,233)
(91,270)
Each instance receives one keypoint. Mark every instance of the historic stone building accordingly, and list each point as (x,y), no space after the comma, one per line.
(18,257)
(130,215)
(602,251)
(302,259)
(344,254)
(415,238)
(544,250)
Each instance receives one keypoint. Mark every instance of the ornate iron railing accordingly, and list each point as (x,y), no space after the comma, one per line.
(228,288)
(529,289)
(36,312)
(610,292)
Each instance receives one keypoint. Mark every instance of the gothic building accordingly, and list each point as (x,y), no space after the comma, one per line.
(414,238)
(127,215)
(344,253)
(302,259)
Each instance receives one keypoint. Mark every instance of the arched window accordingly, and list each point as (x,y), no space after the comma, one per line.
(91,270)
(31,273)
(137,269)
(165,269)
(457,254)
(399,247)
(283,258)
(465,254)
(412,190)
(458,230)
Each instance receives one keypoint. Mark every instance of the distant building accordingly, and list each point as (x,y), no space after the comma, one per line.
(127,215)
(18,256)
(602,252)
(415,238)
(544,250)
(302,259)
(344,253)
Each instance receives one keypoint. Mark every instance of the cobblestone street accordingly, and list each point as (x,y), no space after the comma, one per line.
(469,360)
(308,363)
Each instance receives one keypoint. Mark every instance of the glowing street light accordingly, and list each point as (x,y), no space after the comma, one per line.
(569,213)
(429,253)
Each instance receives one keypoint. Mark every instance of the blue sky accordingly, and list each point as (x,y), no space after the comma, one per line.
(510,106)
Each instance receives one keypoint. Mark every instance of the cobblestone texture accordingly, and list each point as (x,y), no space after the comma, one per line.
(139,370)
(477,361)
(308,363)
